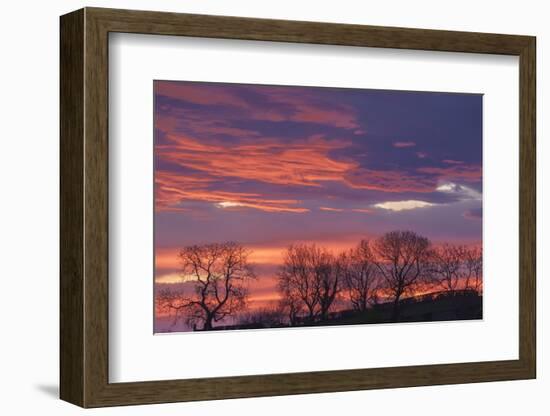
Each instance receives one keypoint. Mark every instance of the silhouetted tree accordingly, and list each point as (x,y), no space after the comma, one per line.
(308,275)
(218,274)
(447,266)
(360,275)
(474,265)
(290,304)
(401,257)
(329,283)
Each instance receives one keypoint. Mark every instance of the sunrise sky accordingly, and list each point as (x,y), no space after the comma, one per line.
(266,166)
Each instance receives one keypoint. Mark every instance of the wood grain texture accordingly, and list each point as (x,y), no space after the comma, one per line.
(96,219)
(527,208)
(84,207)
(71,100)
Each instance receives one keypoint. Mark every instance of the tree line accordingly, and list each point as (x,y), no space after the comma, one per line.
(312,279)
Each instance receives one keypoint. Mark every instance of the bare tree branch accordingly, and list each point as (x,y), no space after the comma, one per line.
(218,274)
(474,265)
(308,279)
(360,275)
(446,268)
(401,257)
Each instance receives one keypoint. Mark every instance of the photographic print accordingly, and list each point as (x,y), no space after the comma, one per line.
(295,206)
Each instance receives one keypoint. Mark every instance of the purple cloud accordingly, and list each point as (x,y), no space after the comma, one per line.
(400,145)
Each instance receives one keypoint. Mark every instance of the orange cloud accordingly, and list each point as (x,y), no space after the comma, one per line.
(301,163)
(173,188)
(305,163)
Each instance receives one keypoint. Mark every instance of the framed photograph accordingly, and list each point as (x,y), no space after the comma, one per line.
(254,207)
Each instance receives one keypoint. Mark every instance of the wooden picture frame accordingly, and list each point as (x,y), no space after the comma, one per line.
(84,207)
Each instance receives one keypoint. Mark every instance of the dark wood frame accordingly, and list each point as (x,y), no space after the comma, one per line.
(84,207)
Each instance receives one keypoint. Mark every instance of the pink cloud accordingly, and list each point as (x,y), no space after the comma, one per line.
(203,94)
(306,162)
(329,209)
(289,106)
(363,210)
(468,173)
(404,144)
(389,181)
